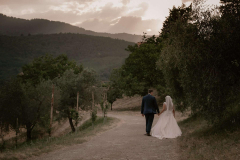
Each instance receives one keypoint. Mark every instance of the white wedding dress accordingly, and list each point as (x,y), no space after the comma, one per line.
(166,126)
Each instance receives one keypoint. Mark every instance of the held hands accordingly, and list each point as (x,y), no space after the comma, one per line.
(157,114)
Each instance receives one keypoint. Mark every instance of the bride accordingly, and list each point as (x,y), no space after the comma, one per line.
(166,126)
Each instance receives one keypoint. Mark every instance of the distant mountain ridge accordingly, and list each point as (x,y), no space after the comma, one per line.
(16,26)
(99,53)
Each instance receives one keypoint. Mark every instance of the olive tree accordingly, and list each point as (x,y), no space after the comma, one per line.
(71,83)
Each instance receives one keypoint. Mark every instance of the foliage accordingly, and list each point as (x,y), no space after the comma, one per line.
(174,31)
(114,89)
(30,104)
(197,56)
(200,63)
(113,94)
(71,83)
(230,8)
(139,71)
(175,14)
(100,53)
(47,67)
(11,97)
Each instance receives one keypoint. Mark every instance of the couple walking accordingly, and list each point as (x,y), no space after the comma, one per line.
(166,126)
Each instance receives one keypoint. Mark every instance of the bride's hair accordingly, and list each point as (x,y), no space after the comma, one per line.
(169,102)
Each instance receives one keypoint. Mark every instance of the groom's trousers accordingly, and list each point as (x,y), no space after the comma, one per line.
(149,120)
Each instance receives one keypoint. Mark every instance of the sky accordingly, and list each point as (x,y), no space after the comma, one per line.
(112,16)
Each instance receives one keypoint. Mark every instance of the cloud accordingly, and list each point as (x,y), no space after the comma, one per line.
(97,15)
(96,25)
(125,2)
(139,10)
(136,25)
(110,12)
(70,12)
(130,24)
(77,13)
(184,1)
(18,7)
(36,2)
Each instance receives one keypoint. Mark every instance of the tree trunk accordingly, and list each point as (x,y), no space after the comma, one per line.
(29,134)
(111,106)
(71,124)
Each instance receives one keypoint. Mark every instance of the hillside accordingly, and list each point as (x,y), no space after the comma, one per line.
(15,27)
(100,53)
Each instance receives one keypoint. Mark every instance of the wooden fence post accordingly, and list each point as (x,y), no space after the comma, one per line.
(51,112)
(17,130)
(77,100)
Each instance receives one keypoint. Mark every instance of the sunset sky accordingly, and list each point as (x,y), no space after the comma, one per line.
(112,16)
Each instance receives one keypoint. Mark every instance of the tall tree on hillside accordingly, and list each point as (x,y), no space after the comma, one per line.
(173,25)
(175,14)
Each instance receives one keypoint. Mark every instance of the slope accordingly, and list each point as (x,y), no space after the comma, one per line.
(100,53)
(16,27)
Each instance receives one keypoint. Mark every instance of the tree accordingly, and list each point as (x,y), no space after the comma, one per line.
(139,71)
(71,83)
(37,104)
(175,14)
(27,103)
(113,94)
(230,8)
(115,86)
(47,67)
(200,63)
(7,92)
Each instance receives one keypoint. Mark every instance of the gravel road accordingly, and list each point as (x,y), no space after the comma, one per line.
(126,141)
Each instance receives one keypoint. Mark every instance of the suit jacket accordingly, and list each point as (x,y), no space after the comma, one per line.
(149,105)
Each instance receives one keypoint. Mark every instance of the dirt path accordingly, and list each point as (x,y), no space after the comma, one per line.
(125,141)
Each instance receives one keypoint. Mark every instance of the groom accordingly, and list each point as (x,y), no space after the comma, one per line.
(149,108)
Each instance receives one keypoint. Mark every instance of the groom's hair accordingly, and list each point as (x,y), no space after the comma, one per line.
(150,91)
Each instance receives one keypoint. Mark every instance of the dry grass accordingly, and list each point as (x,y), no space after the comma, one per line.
(38,147)
(128,104)
(203,141)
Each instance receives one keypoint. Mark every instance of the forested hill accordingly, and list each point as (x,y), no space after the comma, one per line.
(16,27)
(100,53)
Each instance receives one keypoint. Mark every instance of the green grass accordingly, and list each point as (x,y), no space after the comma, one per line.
(201,140)
(38,147)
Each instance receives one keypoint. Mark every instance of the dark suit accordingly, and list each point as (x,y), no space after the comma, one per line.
(149,108)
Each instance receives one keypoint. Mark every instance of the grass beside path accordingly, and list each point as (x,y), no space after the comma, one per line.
(38,147)
(203,141)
